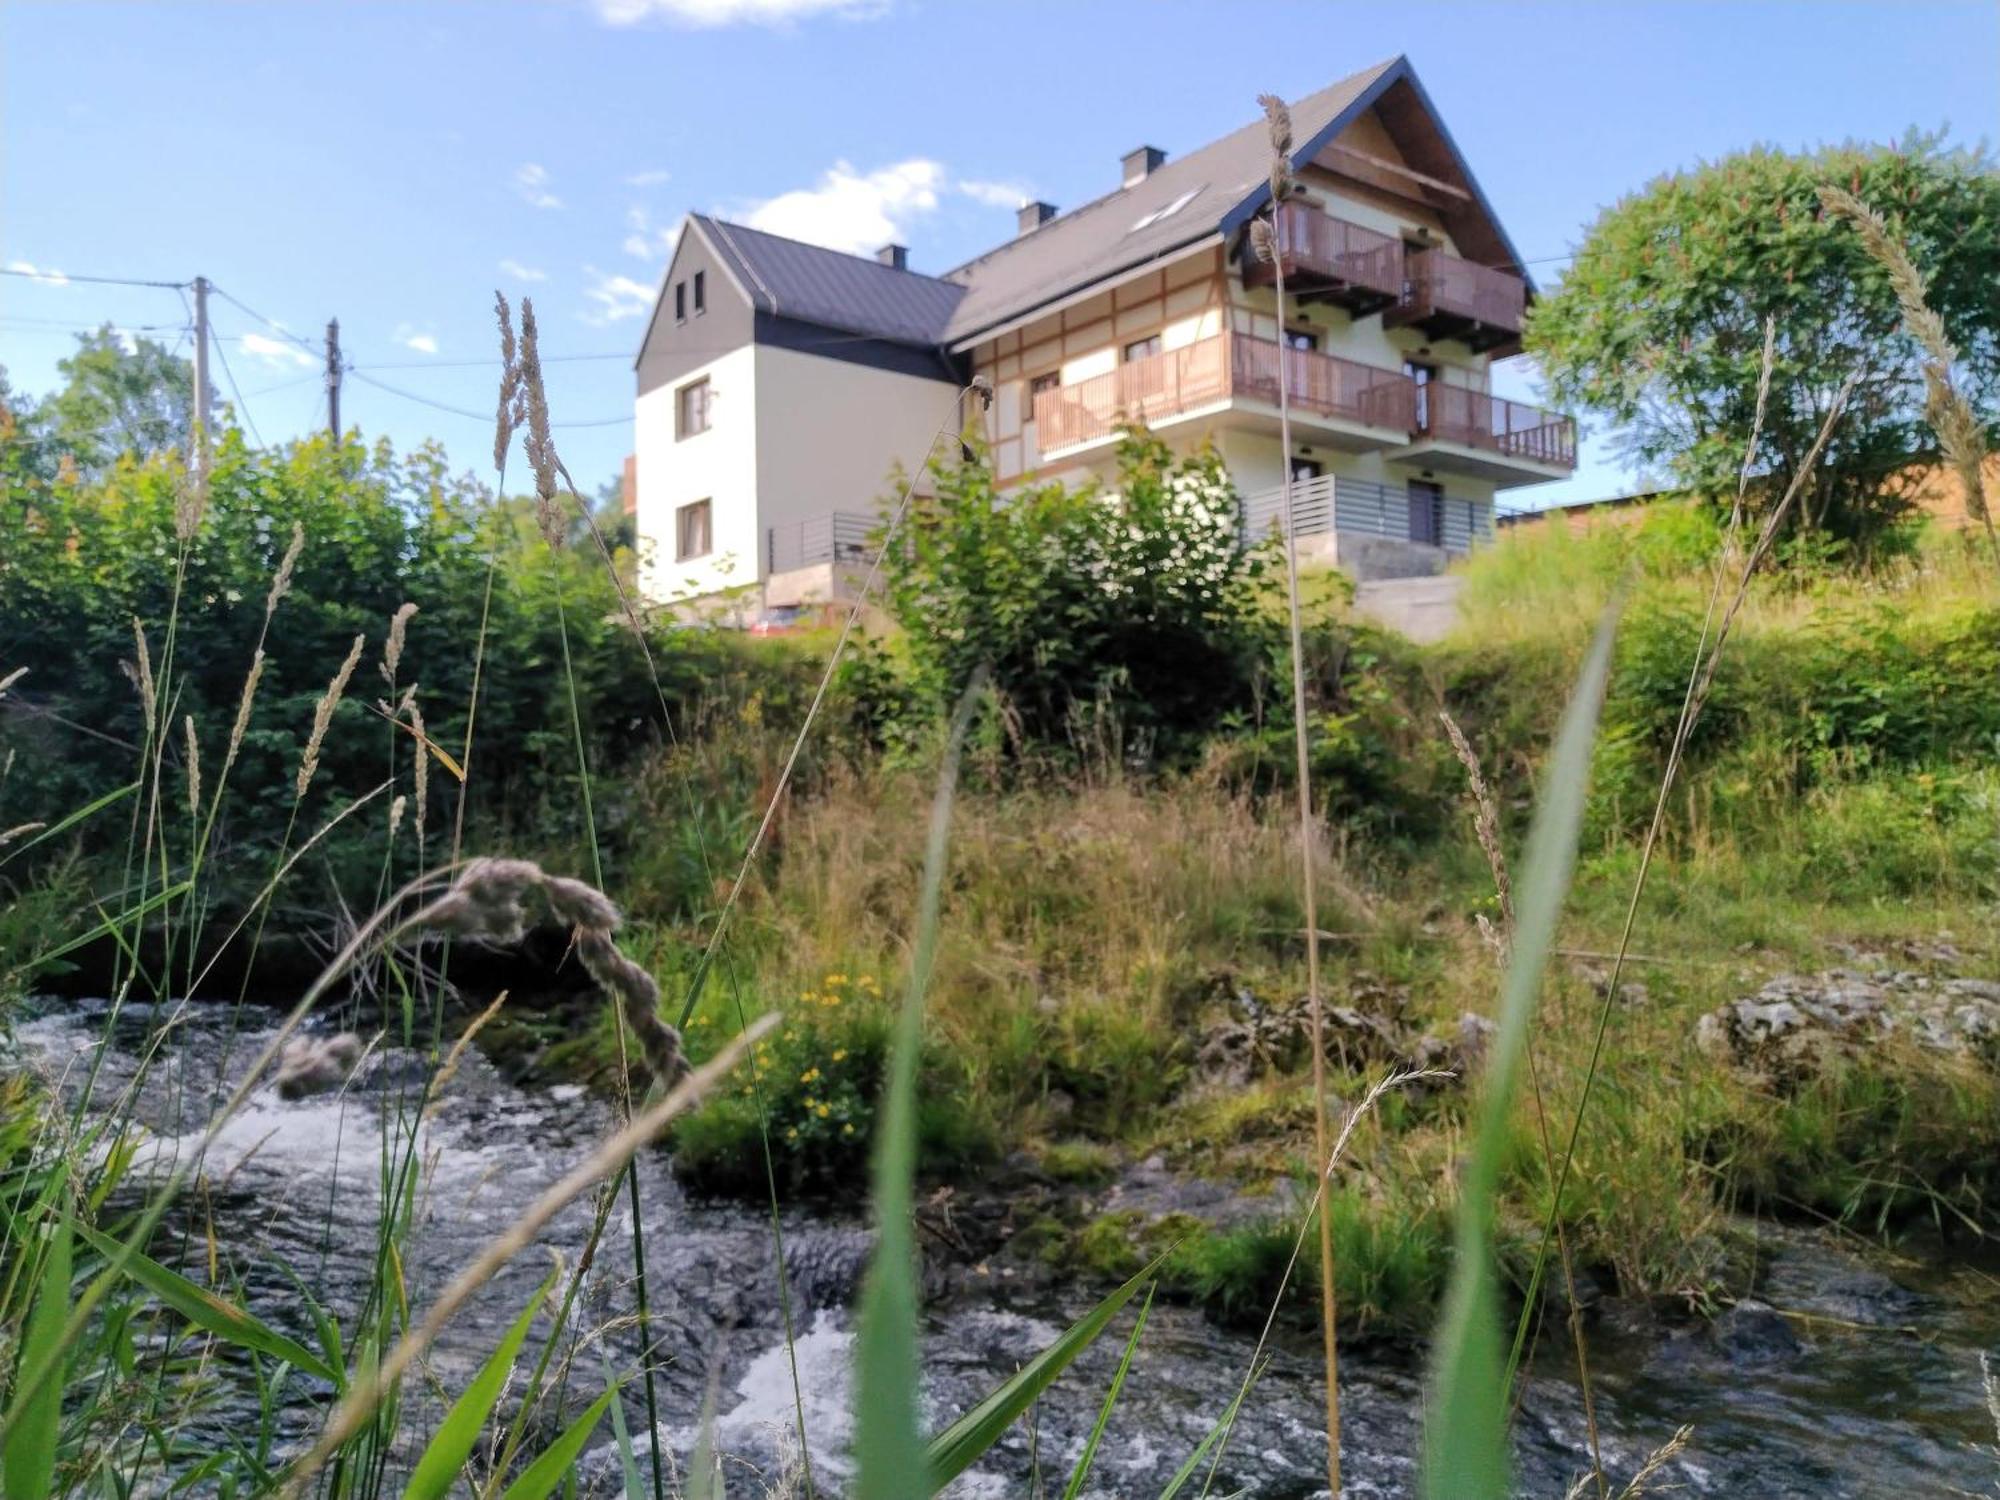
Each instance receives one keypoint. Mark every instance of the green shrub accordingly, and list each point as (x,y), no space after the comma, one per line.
(1125,613)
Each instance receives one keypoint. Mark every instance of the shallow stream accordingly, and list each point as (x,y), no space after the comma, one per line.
(1863,1383)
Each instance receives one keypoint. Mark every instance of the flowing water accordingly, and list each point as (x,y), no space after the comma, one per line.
(1868,1385)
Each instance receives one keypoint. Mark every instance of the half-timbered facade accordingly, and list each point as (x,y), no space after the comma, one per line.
(1148,305)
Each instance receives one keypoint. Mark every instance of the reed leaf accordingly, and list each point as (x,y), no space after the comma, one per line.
(63,824)
(1465,1423)
(961,1444)
(540,1479)
(1223,1424)
(1082,1469)
(28,1457)
(208,1312)
(457,1434)
(889,1446)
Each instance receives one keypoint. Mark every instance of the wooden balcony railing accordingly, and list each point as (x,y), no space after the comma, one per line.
(1212,370)
(1360,268)
(1452,298)
(1451,414)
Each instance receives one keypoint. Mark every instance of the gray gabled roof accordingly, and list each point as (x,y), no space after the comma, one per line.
(1211,192)
(832,289)
(1127,228)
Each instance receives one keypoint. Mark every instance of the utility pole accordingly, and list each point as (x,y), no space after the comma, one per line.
(333,378)
(201,363)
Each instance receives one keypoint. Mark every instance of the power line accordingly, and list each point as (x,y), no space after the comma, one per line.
(459,411)
(59,278)
(482,364)
(241,405)
(271,323)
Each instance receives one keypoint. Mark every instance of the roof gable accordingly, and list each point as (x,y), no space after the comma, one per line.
(1215,191)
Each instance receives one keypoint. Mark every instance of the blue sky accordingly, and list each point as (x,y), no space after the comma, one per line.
(392,163)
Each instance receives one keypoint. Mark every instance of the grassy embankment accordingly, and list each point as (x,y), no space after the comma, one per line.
(1099,927)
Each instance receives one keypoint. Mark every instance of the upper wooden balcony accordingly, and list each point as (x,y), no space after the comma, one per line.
(1361,405)
(1449,298)
(1330,260)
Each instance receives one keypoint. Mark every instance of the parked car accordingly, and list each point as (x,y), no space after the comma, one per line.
(783,620)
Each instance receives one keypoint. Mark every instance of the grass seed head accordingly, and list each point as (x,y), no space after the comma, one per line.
(323,713)
(392,649)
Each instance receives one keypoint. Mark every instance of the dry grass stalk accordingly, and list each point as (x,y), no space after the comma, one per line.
(191,495)
(421,768)
(486,902)
(449,1069)
(142,677)
(242,725)
(193,766)
(509,414)
(392,649)
(1991,1384)
(1485,818)
(396,811)
(323,713)
(609,1158)
(1280,119)
(19,831)
(11,678)
(538,445)
(281,581)
(1958,428)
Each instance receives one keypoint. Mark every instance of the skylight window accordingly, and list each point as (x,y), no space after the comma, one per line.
(1169,211)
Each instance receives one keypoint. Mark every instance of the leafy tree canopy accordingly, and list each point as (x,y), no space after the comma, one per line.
(1659,323)
(119,396)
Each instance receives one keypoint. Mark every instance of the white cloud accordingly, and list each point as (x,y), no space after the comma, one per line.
(410,338)
(46,275)
(646,242)
(652,177)
(276,352)
(709,13)
(520,272)
(854,211)
(531,181)
(615,298)
(1007,195)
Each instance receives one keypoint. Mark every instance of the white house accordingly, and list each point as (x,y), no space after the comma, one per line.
(779,381)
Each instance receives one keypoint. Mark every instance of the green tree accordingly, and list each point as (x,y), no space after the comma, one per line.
(1138,597)
(1659,323)
(116,399)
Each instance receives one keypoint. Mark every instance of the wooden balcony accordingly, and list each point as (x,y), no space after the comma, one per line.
(1492,424)
(1449,298)
(1330,260)
(1212,372)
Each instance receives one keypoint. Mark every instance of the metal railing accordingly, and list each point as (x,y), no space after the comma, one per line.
(1452,414)
(1366,507)
(1215,369)
(1315,245)
(839,536)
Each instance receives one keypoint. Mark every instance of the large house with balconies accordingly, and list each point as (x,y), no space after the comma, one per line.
(779,381)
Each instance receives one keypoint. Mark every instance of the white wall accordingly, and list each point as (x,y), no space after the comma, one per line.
(719,465)
(829,432)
